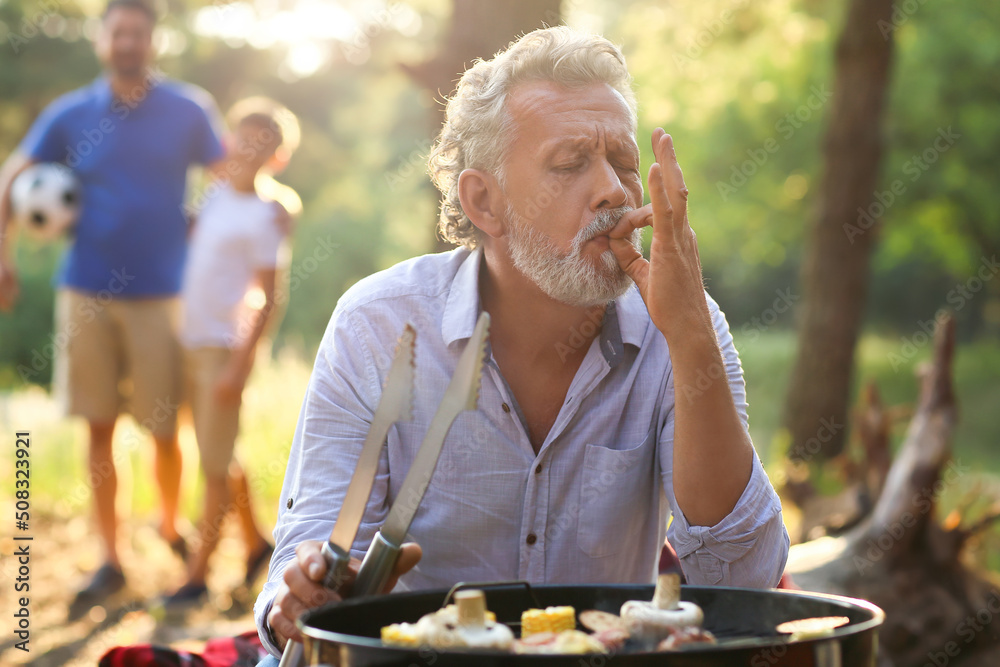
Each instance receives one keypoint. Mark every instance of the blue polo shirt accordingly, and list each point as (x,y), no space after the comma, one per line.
(132,161)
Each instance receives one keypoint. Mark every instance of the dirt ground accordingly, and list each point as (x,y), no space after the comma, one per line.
(62,555)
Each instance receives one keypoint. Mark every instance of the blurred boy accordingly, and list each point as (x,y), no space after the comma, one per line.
(235,252)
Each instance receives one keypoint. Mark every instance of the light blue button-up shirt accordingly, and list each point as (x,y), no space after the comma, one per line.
(591,506)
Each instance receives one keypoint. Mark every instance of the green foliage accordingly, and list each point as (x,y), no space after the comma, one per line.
(767,361)
(744,88)
(28,343)
(946,222)
(941,82)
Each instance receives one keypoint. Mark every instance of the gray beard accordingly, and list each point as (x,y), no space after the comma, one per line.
(569,277)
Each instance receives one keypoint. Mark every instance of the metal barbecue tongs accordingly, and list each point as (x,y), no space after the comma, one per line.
(395,405)
(462,394)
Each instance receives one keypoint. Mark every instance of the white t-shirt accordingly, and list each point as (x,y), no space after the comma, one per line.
(235,236)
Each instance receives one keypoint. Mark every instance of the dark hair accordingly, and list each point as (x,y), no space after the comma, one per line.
(265,122)
(140,5)
(267,114)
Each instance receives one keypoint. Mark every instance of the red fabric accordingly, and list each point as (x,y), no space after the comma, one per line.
(242,651)
(787,582)
(669,560)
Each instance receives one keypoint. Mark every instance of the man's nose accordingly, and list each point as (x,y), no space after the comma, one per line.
(609,191)
(129,42)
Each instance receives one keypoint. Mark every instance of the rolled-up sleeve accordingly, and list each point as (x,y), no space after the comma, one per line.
(749,546)
(333,422)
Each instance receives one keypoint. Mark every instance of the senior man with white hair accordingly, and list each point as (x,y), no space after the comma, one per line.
(612,392)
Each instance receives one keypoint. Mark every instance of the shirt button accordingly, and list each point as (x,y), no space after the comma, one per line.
(289,504)
(538,468)
(532,538)
(506,408)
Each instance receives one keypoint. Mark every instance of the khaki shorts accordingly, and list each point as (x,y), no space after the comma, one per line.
(215,425)
(120,355)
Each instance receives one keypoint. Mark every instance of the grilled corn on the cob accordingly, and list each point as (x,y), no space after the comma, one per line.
(400,634)
(550,619)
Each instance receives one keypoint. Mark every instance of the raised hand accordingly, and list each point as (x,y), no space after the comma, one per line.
(670,282)
(711,448)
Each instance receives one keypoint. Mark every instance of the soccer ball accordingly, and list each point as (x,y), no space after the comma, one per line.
(45,199)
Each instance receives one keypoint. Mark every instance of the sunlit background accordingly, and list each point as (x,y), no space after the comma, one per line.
(722,86)
(726,78)
(743,87)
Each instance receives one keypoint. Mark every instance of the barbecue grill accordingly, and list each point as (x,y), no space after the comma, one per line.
(743,620)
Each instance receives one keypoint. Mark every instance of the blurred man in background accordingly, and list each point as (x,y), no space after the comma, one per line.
(130,137)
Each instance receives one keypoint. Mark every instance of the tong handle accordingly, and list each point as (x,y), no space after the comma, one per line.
(292,655)
(376,567)
(337,561)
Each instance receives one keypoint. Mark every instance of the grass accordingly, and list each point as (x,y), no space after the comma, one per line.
(274,396)
(767,362)
(59,483)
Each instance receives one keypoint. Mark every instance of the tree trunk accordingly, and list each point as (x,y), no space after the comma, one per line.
(902,559)
(479,28)
(836,265)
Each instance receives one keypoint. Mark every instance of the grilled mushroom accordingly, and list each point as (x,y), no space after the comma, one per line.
(470,629)
(653,621)
(466,624)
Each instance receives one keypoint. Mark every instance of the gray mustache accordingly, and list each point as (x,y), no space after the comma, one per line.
(603,222)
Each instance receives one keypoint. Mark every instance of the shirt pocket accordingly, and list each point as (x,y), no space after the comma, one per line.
(615,496)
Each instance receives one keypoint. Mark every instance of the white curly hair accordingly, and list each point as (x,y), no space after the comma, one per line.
(477,128)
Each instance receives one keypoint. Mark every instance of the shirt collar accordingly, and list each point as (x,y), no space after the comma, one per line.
(106,97)
(633,318)
(462,307)
(625,320)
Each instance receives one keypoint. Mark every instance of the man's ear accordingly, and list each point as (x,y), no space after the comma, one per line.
(482,200)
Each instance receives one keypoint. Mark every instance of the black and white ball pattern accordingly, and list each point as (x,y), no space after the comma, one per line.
(45,199)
